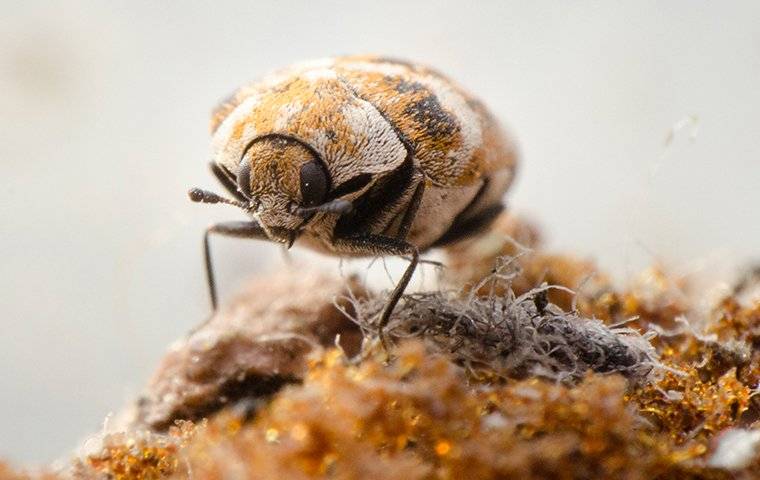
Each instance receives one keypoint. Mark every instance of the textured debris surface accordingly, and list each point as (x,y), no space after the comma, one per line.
(515,337)
(506,375)
(250,348)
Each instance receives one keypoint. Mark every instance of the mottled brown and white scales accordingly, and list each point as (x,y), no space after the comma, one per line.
(358,156)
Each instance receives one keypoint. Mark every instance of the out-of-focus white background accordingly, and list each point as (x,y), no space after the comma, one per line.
(103,127)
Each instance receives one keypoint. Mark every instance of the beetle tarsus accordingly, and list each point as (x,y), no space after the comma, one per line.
(396,294)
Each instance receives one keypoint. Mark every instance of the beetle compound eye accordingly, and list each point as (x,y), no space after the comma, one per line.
(244,178)
(314,183)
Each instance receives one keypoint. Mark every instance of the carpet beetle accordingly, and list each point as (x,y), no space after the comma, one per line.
(358,156)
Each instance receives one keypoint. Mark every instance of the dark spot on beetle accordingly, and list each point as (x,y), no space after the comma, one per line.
(431,116)
(406,86)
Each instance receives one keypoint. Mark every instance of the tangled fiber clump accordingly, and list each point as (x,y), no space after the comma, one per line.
(514,336)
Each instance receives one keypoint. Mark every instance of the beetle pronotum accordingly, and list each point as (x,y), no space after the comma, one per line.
(358,156)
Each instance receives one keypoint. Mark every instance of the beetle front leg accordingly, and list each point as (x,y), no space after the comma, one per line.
(382,245)
(250,229)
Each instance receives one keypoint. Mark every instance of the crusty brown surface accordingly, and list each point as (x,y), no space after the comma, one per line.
(431,412)
(251,347)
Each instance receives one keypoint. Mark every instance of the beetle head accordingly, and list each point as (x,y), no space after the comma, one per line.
(285,183)
(278,176)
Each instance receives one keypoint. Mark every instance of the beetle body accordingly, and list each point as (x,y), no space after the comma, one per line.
(360,156)
(375,122)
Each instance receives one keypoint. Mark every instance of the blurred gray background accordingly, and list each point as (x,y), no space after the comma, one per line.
(103,127)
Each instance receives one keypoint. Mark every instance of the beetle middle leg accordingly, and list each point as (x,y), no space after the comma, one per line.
(249,229)
(378,244)
(382,245)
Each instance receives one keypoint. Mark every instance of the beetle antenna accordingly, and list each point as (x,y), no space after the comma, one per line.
(204,196)
(334,206)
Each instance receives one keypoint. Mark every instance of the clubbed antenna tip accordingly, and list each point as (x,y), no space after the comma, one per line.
(204,196)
